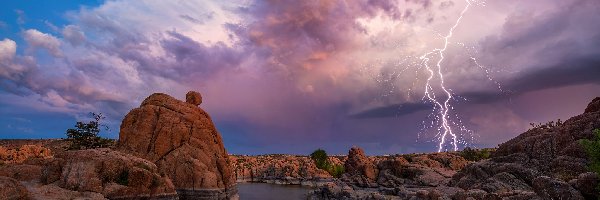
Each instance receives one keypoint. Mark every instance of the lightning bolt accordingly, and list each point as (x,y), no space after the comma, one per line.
(443,106)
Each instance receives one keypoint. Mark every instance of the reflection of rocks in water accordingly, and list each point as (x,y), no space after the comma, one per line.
(279,169)
(265,191)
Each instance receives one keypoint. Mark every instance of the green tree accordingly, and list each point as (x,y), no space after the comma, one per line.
(592,148)
(85,135)
(321,160)
(471,154)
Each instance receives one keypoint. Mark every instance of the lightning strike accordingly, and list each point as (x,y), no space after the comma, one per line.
(443,107)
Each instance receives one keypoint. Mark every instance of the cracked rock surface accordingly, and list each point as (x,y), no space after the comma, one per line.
(182,140)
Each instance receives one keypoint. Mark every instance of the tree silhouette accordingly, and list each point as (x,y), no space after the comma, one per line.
(85,135)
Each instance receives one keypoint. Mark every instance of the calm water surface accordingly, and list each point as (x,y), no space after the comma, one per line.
(265,191)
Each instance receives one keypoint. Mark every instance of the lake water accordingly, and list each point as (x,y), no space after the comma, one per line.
(266,191)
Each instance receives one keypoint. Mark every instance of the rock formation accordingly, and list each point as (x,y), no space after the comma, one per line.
(279,169)
(547,160)
(114,174)
(193,98)
(359,169)
(183,142)
(22,153)
(396,177)
(12,189)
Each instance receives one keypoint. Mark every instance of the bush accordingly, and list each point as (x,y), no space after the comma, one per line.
(547,125)
(336,170)
(123,178)
(592,148)
(321,160)
(85,135)
(476,154)
(410,173)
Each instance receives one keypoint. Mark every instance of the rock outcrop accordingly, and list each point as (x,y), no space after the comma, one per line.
(279,169)
(115,175)
(183,142)
(11,189)
(22,153)
(422,176)
(547,160)
(359,169)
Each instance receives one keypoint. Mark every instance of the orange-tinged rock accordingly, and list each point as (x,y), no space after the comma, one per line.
(113,174)
(12,189)
(22,153)
(182,140)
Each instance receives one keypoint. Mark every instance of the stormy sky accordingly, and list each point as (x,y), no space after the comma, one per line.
(283,76)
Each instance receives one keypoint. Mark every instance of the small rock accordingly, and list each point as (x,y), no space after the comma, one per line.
(193,98)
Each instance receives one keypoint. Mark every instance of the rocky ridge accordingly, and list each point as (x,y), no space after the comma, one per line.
(168,149)
(546,162)
(280,169)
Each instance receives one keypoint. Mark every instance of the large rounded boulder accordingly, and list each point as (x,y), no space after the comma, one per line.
(182,140)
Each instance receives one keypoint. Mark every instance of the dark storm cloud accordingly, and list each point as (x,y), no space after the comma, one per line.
(393,110)
(290,77)
(193,58)
(200,20)
(559,49)
(576,72)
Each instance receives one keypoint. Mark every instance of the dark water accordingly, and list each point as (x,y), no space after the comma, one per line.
(265,191)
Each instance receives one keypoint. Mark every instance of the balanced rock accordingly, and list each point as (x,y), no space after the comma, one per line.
(182,140)
(193,98)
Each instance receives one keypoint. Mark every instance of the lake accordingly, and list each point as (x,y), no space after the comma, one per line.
(266,191)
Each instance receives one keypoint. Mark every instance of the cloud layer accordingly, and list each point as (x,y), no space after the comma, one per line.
(290,76)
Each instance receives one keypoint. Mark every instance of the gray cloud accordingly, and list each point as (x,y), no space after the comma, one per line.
(296,72)
(73,35)
(36,39)
(548,50)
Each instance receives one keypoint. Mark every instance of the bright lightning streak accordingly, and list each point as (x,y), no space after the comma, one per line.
(444,106)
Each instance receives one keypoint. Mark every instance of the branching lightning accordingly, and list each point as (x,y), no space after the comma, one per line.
(442,106)
(451,132)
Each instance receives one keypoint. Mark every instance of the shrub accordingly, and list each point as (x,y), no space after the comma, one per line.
(321,160)
(155,181)
(336,170)
(475,154)
(123,178)
(85,135)
(409,157)
(547,125)
(410,173)
(592,148)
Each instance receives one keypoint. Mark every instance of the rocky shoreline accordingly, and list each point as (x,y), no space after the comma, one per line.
(545,162)
(280,169)
(169,149)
